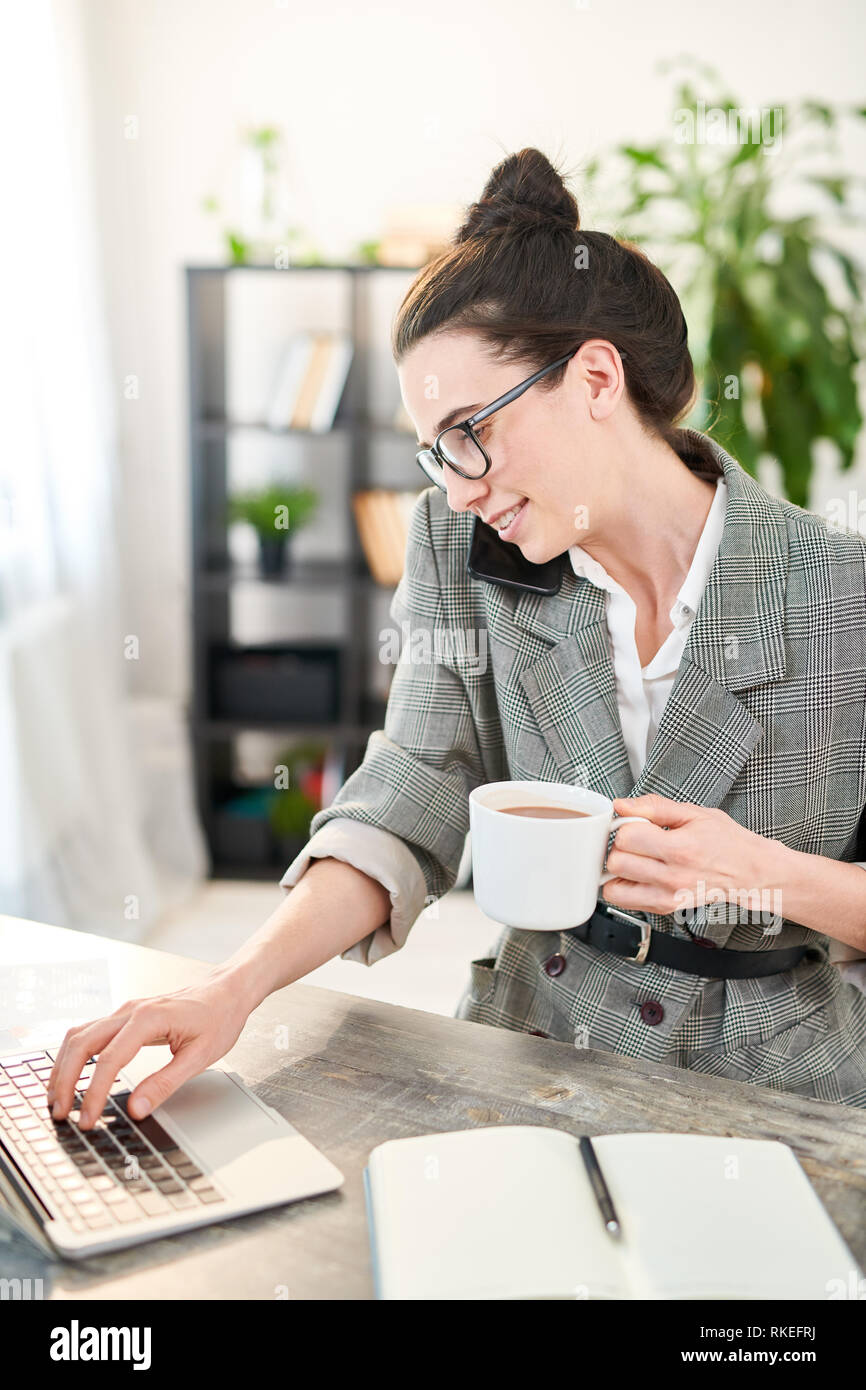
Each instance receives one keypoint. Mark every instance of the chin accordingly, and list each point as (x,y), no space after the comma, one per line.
(538,552)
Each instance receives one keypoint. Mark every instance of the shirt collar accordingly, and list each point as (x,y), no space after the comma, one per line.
(691,591)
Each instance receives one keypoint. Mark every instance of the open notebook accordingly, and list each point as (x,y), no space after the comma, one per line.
(507,1211)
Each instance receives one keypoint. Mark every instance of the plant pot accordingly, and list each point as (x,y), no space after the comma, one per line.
(274,556)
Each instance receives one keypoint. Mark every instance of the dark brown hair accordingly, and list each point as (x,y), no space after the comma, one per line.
(509,275)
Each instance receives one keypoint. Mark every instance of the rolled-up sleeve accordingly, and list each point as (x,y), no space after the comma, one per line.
(403,815)
(384,857)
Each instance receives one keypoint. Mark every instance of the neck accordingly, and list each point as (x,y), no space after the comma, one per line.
(653,525)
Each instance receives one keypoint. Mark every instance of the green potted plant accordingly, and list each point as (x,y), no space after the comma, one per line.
(291,809)
(275,512)
(772,300)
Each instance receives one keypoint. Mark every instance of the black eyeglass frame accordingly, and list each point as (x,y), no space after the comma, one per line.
(467,425)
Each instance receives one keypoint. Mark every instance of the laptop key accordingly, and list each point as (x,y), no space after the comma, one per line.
(116,1197)
(70,1184)
(168,1184)
(209,1194)
(82,1197)
(149,1127)
(126,1211)
(153,1203)
(98,1223)
(182,1199)
(88,1209)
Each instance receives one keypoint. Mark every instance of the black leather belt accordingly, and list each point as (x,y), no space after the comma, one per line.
(611,929)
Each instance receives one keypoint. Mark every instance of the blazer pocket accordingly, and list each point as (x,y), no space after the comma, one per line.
(482,979)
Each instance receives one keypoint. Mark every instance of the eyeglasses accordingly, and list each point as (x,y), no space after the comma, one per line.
(459,447)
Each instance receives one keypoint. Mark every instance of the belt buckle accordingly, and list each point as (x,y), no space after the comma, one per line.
(645,932)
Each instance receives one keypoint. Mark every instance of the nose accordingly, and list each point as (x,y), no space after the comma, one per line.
(462,492)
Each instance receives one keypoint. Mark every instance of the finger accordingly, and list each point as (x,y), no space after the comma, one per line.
(661,810)
(636,868)
(640,838)
(77,1046)
(146,1022)
(62,1055)
(188,1061)
(622,892)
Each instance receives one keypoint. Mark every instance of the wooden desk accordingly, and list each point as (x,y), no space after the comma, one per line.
(351,1072)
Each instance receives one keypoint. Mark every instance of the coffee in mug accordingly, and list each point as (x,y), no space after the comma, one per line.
(538,852)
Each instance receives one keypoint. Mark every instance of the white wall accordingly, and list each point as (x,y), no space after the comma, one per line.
(380,103)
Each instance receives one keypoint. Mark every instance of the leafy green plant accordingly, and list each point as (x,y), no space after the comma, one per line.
(276,510)
(273,244)
(290,810)
(367,252)
(775,342)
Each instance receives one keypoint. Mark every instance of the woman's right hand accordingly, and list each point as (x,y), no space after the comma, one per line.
(200,1024)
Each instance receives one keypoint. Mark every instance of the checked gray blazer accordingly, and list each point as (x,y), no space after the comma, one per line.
(766,720)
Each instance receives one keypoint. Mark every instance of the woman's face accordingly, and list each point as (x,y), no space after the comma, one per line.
(546,447)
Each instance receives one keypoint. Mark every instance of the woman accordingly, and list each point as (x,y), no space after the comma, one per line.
(644,619)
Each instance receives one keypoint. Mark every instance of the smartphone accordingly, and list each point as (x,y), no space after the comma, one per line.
(502,562)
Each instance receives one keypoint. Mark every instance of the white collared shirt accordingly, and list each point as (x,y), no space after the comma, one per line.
(642,692)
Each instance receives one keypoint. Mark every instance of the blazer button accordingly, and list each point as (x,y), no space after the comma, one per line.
(555,965)
(651,1011)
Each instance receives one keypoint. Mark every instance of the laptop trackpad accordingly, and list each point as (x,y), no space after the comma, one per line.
(210,1113)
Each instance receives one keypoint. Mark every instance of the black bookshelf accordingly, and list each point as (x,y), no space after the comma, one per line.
(355,715)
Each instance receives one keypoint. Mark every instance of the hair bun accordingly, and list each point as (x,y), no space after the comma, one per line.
(524,192)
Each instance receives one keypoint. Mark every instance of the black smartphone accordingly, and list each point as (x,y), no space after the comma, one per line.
(502,562)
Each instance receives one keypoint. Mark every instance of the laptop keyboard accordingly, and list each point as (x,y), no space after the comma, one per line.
(118,1171)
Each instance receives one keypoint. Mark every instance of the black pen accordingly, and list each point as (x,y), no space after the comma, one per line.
(599,1187)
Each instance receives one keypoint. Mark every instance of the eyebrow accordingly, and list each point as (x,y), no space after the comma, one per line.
(461,412)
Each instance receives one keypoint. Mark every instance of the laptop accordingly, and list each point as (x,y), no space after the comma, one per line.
(210,1152)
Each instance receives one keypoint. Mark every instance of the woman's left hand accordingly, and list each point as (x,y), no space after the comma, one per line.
(687,853)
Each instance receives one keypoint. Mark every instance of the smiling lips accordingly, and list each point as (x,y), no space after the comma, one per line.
(504,519)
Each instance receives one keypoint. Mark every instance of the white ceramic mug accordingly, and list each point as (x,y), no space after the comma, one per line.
(539,873)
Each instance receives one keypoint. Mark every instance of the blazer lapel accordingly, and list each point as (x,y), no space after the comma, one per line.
(571,689)
(706,734)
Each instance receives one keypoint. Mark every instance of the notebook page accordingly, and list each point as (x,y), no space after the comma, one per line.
(502,1211)
(717,1217)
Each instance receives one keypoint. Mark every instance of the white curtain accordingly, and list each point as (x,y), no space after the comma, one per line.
(82,843)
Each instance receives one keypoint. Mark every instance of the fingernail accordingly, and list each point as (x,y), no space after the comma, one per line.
(56,1109)
(141,1108)
(49,1096)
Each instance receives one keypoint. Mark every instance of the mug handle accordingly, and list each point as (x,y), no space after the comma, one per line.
(618,820)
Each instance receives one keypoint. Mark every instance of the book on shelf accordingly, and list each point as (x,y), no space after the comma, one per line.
(382,518)
(310,381)
(334,377)
(290,373)
(467,1215)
